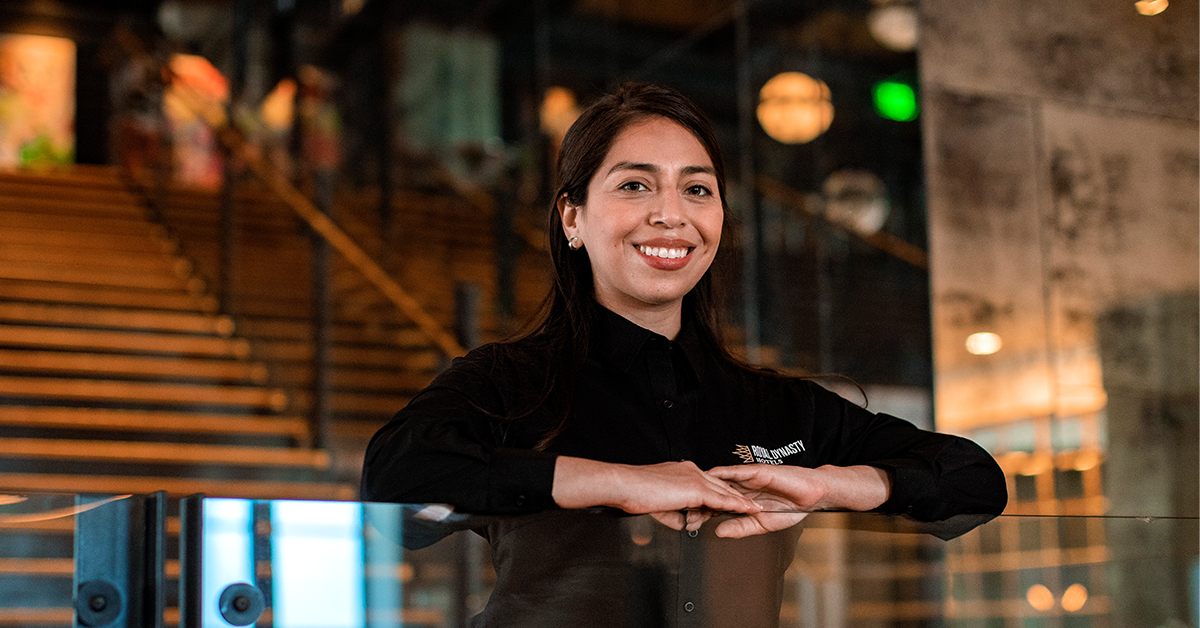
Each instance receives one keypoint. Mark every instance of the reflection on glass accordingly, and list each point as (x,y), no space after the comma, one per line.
(228,552)
(317,564)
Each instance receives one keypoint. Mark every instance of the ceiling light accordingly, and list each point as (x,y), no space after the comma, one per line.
(795,108)
(1074,598)
(1151,7)
(895,25)
(1040,598)
(983,343)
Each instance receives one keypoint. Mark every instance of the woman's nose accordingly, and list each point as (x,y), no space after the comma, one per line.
(669,213)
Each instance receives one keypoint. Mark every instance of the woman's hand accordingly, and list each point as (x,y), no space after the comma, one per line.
(787,494)
(662,490)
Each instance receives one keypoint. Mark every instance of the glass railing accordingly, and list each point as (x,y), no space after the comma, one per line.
(144,561)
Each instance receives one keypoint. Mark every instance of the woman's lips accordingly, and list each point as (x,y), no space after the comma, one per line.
(666,255)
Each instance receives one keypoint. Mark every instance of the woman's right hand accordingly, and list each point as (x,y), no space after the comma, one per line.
(663,490)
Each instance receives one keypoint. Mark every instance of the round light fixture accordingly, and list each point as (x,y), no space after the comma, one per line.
(857,200)
(559,111)
(1074,598)
(983,343)
(795,108)
(1151,7)
(894,25)
(1040,598)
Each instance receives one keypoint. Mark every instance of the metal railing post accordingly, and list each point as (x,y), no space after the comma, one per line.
(322,320)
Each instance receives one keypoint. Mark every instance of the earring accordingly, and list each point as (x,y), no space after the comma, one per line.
(573,243)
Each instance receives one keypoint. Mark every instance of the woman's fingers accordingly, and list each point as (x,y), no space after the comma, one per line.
(741,527)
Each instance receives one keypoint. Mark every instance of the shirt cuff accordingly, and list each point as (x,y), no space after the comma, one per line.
(521,481)
(910,487)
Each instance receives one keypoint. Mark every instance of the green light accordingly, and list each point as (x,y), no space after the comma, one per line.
(895,101)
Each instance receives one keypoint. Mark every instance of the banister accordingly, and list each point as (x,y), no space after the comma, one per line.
(232,139)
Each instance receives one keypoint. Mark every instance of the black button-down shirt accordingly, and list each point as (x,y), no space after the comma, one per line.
(643,399)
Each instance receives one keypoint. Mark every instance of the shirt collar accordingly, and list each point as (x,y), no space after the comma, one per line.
(619,340)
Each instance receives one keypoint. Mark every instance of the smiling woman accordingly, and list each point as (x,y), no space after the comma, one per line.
(622,394)
(651,224)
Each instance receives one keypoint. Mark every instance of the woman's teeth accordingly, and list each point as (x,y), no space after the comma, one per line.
(658,251)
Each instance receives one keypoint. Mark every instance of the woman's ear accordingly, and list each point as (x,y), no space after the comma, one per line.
(569,214)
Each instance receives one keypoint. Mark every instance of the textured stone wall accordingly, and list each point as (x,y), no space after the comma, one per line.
(1064,195)
(1062,158)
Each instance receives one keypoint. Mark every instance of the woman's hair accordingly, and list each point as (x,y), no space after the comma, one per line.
(562,328)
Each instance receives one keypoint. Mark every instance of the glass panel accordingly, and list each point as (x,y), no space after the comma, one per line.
(53,545)
(374,565)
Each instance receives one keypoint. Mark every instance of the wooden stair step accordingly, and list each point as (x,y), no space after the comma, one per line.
(357,405)
(51,417)
(85,241)
(292,351)
(123,341)
(37,566)
(352,378)
(83,273)
(182,322)
(15,218)
(346,331)
(112,365)
(108,296)
(120,485)
(96,390)
(69,203)
(37,616)
(161,263)
(163,453)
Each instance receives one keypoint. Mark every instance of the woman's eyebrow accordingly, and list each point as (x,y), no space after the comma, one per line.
(654,169)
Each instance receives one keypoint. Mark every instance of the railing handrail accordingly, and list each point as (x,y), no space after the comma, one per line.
(213,114)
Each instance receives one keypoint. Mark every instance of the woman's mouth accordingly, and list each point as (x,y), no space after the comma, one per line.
(664,252)
(666,255)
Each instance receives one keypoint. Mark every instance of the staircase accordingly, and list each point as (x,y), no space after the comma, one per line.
(117,376)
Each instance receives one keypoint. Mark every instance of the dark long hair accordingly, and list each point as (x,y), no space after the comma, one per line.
(562,329)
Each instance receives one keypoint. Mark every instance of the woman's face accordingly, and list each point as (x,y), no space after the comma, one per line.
(652,220)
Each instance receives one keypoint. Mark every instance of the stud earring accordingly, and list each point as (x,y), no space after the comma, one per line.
(573,243)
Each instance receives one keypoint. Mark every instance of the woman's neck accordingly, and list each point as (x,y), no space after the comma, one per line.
(665,320)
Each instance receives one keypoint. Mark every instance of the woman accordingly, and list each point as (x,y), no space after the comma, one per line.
(622,394)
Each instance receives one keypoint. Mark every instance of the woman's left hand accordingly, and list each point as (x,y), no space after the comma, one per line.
(787,494)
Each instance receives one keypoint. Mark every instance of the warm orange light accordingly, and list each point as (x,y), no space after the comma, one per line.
(795,108)
(1151,7)
(1074,598)
(983,343)
(278,108)
(559,111)
(1040,598)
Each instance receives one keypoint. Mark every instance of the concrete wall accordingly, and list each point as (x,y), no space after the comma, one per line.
(1064,177)
(1061,143)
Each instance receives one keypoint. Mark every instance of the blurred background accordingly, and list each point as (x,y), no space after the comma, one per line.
(237,235)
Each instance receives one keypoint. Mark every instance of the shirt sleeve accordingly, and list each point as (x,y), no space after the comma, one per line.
(935,476)
(447,446)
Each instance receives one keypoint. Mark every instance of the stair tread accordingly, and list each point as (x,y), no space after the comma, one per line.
(171,453)
(130,484)
(142,319)
(142,392)
(151,421)
(121,340)
(84,272)
(109,296)
(105,364)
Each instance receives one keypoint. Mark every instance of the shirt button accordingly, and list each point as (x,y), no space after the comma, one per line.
(689,607)
(693,533)
(666,404)
(520,500)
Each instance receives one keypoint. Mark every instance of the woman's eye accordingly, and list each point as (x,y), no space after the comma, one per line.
(634,186)
(699,190)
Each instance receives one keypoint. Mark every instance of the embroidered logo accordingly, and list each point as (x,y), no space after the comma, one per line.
(754,453)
